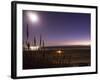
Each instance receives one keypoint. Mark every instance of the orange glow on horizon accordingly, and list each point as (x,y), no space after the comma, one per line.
(79,43)
(68,43)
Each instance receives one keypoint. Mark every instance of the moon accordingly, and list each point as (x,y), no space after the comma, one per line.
(33,17)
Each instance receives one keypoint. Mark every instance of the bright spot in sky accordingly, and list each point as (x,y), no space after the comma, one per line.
(33,48)
(33,17)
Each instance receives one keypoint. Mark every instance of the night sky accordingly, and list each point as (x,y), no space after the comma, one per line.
(58,28)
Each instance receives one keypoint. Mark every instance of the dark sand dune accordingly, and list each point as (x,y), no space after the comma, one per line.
(62,56)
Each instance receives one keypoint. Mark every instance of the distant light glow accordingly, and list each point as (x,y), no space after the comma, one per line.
(34,48)
(33,17)
(59,51)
